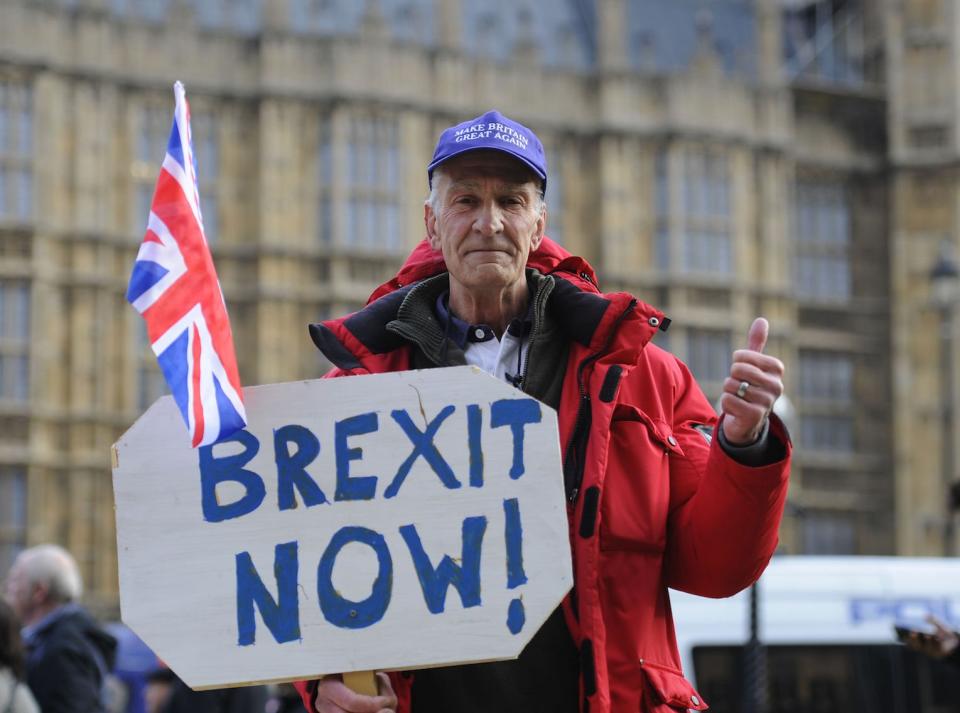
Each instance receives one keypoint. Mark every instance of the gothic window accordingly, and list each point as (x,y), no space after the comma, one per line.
(206,151)
(13,514)
(150,382)
(324,222)
(16,151)
(152,132)
(373,219)
(822,241)
(555,196)
(706,241)
(14,340)
(708,354)
(826,391)
(826,533)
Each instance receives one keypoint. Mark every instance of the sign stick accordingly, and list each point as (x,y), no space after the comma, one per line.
(362,682)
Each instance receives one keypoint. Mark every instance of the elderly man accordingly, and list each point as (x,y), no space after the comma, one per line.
(68,654)
(654,499)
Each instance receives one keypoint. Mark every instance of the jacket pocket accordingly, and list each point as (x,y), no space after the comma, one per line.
(636,489)
(667,687)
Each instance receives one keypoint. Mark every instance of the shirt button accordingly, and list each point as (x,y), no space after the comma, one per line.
(673,441)
(653,322)
(694,700)
(478,333)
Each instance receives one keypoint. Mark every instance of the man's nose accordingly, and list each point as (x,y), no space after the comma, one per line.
(489,219)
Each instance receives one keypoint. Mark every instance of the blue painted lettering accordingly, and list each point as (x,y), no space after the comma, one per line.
(214,470)
(422,446)
(283,618)
(341,611)
(474,426)
(353,487)
(465,578)
(516,616)
(513,534)
(515,413)
(292,468)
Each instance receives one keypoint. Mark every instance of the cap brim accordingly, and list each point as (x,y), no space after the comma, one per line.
(522,159)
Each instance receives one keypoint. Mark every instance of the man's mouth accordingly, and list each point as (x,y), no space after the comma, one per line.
(494,251)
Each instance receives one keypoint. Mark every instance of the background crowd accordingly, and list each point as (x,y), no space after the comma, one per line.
(55,658)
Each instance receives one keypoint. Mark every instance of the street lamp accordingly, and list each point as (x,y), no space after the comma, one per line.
(945,293)
(755,686)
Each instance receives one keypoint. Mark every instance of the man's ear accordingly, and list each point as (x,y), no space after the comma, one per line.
(541,227)
(430,222)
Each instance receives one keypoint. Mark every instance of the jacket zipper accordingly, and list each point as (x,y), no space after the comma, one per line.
(538,300)
(575,456)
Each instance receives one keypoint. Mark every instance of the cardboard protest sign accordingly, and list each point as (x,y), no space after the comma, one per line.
(391,521)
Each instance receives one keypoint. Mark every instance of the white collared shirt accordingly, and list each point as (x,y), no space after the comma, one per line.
(498,357)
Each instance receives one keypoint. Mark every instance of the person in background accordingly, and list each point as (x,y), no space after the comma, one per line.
(284,699)
(156,692)
(942,644)
(134,662)
(167,693)
(243,699)
(68,653)
(15,697)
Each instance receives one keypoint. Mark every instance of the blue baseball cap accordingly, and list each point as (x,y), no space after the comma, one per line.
(491,131)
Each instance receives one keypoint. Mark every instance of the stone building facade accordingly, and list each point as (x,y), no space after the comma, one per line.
(792,158)
(923,91)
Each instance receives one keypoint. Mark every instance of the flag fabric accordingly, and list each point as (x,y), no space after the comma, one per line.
(174,287)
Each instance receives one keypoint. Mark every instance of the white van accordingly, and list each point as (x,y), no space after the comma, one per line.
(827,627)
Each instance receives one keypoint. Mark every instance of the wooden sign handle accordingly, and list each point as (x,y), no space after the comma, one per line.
(362,682)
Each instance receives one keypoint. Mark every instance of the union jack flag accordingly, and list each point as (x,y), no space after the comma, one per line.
(174,286)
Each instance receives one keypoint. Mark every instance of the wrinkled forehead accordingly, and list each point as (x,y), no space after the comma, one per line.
(476,166)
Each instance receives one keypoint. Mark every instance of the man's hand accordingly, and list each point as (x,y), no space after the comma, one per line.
(754,384)
(334,697)
(940,644)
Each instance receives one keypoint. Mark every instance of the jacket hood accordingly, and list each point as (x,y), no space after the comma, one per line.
(74,620)
(102,641)
(426,262)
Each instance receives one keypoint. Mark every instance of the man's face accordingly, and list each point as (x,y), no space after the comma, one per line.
(487,220)
(17,590)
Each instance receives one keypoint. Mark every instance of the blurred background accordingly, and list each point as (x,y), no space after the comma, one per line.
(798,159)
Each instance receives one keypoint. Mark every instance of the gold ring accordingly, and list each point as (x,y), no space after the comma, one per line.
(742,389)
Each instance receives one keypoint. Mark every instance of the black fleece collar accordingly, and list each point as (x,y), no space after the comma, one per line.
(577,313)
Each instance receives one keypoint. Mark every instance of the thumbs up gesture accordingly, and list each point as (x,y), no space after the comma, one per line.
(754,384)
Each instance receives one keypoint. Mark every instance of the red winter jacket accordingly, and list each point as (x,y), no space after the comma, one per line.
(652,503)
